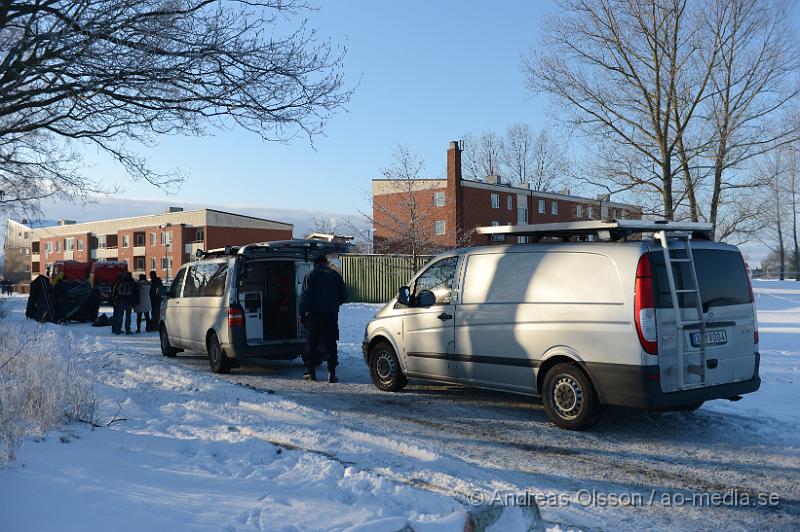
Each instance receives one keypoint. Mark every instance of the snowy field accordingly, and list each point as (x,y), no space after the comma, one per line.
(260,449)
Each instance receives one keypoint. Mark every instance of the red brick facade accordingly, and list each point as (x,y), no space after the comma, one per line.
(471,204)
(147,247)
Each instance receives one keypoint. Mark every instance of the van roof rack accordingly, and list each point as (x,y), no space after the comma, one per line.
(301,248)
(602,230)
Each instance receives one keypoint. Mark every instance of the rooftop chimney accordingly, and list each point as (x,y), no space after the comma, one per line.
(173,209)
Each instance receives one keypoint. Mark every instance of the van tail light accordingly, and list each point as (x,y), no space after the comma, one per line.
(644,306)
(235,316)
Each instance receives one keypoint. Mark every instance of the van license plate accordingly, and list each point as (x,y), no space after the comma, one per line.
(712,338)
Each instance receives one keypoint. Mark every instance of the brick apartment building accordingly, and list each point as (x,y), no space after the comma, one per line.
(450,209)
(160,242)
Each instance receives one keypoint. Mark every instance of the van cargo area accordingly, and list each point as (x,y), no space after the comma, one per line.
(268,295)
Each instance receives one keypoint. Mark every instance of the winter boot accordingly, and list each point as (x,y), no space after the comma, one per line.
(310,375)
(332,375)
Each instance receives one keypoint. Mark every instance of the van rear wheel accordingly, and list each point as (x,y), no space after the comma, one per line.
(569,397)
(384,368)
(216,356)
(166,348)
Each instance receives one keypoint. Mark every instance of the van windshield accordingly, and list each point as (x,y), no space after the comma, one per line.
(720,273)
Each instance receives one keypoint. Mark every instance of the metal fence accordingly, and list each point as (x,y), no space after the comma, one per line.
(376,278)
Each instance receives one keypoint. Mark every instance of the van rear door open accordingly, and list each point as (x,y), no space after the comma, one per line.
(729,314)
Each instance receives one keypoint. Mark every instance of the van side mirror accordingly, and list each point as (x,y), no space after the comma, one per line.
(426,298)
(404,295)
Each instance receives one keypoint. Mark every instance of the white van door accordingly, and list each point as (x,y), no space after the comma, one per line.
(428,331)
(174,311)
(203,301)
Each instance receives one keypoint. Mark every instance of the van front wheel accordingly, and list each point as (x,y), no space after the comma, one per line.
(216,356)
(384,368)
(569,398)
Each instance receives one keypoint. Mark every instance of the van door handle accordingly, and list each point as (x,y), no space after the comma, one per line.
(444,316)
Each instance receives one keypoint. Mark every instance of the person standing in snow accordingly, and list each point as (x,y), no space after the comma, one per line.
(124,296)
(156,294)
(143,307)
(324,292)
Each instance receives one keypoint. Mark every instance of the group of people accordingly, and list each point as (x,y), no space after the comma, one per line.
(6,286)
(142,297)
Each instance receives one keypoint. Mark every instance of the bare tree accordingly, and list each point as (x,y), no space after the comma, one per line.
(774,208)
(753,81)
(794,202)
(619,69)
(533,158)
(408,221)
(482,156)
(111,73)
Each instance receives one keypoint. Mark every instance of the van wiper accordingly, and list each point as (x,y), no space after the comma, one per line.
(717,301)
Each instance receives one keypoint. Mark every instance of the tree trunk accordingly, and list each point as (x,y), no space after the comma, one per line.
(793,177)
(666,175)
(687,177)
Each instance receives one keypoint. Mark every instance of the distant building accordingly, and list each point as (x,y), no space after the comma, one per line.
(160,242)
(451,208)
(17,249)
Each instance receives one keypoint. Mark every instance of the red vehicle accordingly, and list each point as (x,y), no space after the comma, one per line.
(103,275)
(69,270)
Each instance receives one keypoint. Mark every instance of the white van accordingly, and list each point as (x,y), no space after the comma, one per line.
(580,323)
(240,303)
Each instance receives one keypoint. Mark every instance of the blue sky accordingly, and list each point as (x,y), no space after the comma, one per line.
(428,72)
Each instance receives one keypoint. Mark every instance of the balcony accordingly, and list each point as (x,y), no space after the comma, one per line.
(192,247)
(109,252)
(139,251)
(69,255)
(35,257)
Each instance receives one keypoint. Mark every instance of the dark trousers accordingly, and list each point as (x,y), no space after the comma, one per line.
(155,309)
(324,328)
(121,310)
(139,316)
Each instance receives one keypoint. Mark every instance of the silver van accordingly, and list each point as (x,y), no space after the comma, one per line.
(240,303)
(586,317)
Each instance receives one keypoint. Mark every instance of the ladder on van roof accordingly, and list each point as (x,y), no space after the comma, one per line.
(681,324)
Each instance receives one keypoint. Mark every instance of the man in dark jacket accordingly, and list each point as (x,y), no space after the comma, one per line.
(323,292)
(124,296)
(156,294)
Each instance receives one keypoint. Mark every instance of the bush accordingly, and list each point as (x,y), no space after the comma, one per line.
(40,386)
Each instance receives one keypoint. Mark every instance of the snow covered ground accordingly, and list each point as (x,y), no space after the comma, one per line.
(260,449)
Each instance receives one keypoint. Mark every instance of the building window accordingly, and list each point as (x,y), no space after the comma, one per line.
(510,202)
(623,214)
(58,245)
(522,215)
(199,235)
(439,227)
(48,247)
(153,239)
(438,199)
(166,263)
(579,211)
(554,208)
(139,238)
(101,242)
(153,262)
(541,206)
(590,213)
(166,238)
(80,244)
(497,238)
(138,264)
(126,241)
(495,201)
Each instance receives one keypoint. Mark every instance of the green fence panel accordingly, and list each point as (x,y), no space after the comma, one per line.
(376,278)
